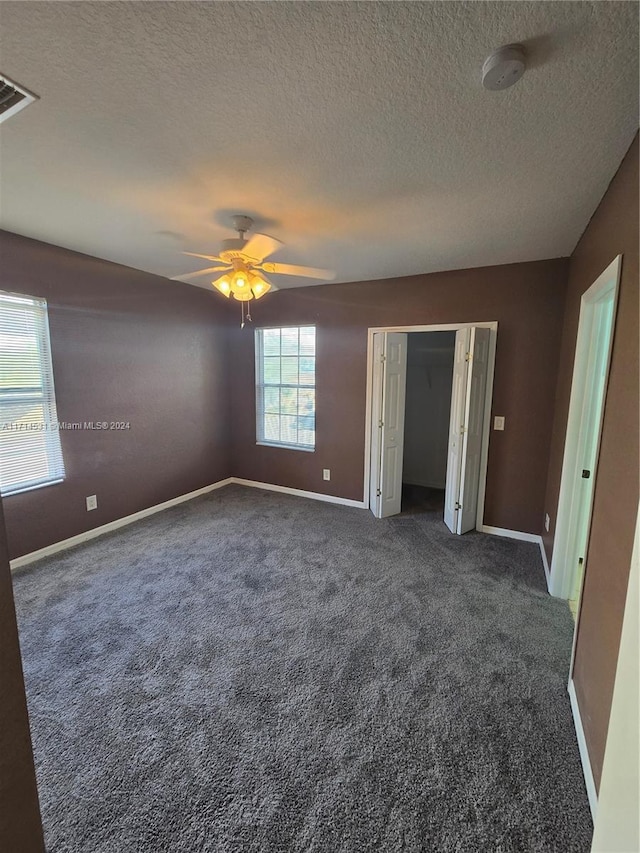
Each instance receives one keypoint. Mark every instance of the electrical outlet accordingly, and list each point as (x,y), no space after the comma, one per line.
(498,422)
(547,521)
(326,473)
(92,502)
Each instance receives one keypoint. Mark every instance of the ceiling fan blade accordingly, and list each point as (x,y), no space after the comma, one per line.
(199,272)
(206,257)
(303,272)
(260,246)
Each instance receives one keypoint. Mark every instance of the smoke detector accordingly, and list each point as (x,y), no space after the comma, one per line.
(13,98)
(504,67)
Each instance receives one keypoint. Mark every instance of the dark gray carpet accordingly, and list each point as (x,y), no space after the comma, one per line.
(257,673)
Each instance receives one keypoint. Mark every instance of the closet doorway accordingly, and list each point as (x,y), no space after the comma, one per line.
(428,410)
(427,413)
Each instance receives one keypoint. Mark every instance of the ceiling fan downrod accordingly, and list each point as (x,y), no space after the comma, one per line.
(242,224)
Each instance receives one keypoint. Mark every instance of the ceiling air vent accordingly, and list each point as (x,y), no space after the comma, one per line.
(13,98)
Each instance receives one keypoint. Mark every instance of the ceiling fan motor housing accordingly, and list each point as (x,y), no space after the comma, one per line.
(242,223)
(232,248)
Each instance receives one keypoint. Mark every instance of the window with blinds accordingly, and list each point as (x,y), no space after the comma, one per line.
(286,387)
(30,453)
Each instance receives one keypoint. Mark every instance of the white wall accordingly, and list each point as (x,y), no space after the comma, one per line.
(426,425)
(617,823)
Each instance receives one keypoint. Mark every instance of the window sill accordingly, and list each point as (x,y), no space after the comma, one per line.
(285,446)
(21,489)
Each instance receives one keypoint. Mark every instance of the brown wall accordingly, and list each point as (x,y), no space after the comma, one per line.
(126,346)
(527,301)
(613,230)
(20,826)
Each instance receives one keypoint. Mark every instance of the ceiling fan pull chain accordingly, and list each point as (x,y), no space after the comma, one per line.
(248,316)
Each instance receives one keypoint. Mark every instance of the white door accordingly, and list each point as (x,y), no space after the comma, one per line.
(589,436)
(376,418)
(390,380)
(456,426)
(465,428)
(473,424)
(584,424)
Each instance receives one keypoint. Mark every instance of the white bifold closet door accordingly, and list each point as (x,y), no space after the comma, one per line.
(465,428)
(387,435)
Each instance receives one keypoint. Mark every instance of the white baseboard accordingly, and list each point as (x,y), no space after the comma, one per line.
(254,484)
(112,525)
(584,752)
(143,513)
(545,563)
(509,534)
(300,493)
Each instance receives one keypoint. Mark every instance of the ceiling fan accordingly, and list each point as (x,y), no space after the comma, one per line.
(243,263)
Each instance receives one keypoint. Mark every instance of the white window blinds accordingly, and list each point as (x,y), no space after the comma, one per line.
(30,453)
(286,387)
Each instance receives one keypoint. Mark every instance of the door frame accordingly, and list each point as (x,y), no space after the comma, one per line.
(561,572)
(438,327)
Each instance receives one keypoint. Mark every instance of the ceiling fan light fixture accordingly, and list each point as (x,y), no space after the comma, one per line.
(259,286)
(243,263)
(243,295)
(223,285)
(239,281)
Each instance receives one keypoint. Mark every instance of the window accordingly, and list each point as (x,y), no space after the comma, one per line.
(286,387)
(30,454)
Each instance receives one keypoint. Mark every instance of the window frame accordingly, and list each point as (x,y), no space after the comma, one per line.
(44,395)
(260,385)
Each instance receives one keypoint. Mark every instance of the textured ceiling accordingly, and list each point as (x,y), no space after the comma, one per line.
(357,133)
